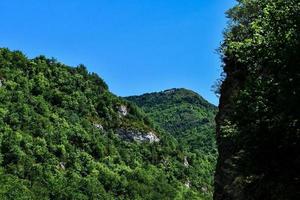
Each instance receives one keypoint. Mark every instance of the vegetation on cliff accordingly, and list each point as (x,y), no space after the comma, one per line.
(63,136)
(258,124)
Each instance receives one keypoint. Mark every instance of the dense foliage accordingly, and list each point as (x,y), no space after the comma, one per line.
(258,123)
(58,138)
(190,119)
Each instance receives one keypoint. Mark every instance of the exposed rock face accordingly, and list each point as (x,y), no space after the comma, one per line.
(61,165)
(188,184)
(258,120)
(137,136)
(170,91)
(99,126)
(204,189)
(186,163)
(226,170)
(123,111)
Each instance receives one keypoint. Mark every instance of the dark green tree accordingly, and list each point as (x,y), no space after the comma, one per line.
(258,123)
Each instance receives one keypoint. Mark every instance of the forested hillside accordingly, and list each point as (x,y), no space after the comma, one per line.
(258,124)
(63,135)
(191,120)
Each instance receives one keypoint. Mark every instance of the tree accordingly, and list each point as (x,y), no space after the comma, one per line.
(258,126)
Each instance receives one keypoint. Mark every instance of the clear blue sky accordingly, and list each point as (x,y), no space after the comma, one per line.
(136,46)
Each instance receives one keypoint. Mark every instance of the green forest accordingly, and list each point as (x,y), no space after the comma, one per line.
(191,120)
(65,136)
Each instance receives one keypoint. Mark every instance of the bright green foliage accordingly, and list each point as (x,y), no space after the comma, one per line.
(53,147)
(190,119)
(258,123)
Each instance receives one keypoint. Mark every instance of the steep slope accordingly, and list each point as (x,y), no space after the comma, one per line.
(190,119)
(63,135)
(258,123)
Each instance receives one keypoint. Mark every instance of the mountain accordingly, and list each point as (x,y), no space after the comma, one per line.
(188,117)
(63,135)
(258,124)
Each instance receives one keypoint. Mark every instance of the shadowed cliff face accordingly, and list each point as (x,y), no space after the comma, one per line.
(258,121)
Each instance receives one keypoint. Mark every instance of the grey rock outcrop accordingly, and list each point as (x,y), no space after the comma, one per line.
(188,184)
(138,136)
(123,111)
(170,91)
(61,166)
(99,126)
(186,162)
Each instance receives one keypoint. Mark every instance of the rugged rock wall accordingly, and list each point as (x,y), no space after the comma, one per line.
(258,121)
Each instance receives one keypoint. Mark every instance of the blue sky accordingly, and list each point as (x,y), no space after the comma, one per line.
(136,46)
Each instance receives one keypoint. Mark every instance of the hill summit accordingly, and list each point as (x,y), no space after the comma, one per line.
(189,118)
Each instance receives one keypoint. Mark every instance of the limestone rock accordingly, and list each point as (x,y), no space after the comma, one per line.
(169,91)
(186,163)
(99,126)
(188,184)
(138,136)
(61,165)
(123,111)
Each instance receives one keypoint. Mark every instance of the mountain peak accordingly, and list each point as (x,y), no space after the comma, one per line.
(175,95)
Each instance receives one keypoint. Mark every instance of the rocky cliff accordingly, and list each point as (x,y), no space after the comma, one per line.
(258,131)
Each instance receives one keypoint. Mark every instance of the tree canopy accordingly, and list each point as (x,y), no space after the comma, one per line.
(60,138)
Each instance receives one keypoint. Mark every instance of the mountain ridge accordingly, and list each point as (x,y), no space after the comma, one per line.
(63,135)
(188,117)
(170,90)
